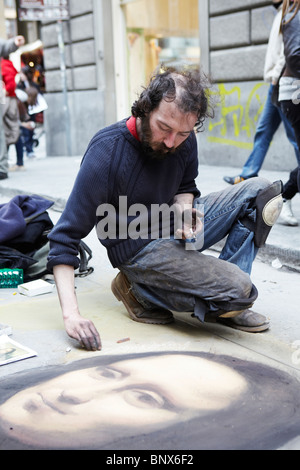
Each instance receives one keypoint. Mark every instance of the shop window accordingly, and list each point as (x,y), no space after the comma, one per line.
(159,31)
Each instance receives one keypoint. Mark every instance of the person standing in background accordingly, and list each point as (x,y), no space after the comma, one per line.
(271,117)
(6,48)
(289,84)
(28,85)
(11,116)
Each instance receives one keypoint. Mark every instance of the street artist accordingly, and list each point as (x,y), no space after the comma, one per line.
(150,161)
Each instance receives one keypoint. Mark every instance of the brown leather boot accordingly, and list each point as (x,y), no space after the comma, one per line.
(121,288)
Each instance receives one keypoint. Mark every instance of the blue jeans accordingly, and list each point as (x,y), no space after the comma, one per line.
(268,124)
(27,139)
(19,151)
(168,275)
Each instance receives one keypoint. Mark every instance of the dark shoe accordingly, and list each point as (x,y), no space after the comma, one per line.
(121,288)
(233,179)
(3,176)
(248,320)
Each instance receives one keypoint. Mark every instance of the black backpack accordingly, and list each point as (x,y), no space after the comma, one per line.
(29,251)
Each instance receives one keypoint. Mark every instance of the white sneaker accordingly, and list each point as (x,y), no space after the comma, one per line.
(286,216)
(31,155)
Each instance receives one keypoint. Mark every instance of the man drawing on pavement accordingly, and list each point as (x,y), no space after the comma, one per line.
(151,160)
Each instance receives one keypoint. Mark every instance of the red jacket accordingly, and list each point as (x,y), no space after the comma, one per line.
(9,73)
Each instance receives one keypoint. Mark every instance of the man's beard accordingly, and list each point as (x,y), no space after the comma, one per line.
(161,151)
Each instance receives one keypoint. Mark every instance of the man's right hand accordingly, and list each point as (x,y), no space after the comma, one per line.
(77,327)
(84,331)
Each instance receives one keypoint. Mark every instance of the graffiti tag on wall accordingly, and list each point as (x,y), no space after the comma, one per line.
(236,118)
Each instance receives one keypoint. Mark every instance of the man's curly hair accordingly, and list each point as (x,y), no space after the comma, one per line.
(188,87)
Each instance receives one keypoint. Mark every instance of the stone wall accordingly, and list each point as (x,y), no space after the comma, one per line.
(90,96)
(239,32)
(238,37)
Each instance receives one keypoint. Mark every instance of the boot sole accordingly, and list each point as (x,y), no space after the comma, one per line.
(248,329)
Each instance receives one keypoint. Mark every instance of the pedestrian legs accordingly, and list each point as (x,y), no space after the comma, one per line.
(268,124)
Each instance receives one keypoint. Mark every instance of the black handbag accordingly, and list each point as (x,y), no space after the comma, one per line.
(275,95)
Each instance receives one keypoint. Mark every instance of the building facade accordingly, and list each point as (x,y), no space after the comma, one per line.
(107,50)
(111,47)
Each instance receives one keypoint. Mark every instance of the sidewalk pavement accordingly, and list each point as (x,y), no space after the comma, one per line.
(36,322)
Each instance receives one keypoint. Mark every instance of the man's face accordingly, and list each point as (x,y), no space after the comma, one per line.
(165,129)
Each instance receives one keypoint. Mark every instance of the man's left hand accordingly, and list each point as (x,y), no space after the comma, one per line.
(192,224)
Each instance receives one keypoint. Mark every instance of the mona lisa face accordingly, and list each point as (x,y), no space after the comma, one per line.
(115,400)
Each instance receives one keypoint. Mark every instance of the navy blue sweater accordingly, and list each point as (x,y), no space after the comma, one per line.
(114,165)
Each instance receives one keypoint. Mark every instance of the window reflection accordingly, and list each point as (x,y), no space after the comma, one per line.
(159,31)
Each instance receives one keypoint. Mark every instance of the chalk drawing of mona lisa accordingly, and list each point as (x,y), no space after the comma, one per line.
(169,400)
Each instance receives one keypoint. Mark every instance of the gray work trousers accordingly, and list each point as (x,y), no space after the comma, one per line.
(166,274)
